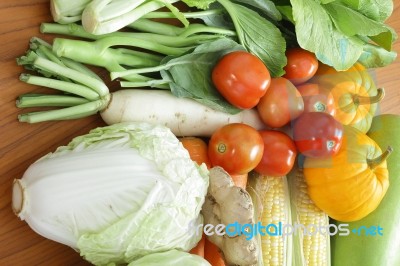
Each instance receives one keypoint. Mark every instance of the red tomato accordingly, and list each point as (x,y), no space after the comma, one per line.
(241,78)
(279,154)
(236,147)
(301,65)
(317,134)
(281,104)
(316,99)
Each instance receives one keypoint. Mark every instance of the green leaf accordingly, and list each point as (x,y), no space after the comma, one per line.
(281,2)
(190,74)
(317,33)
(384,8)
(259,36)
(374,56)
(218,19)
(351,23)
(287,12)
(385,39)
(378,10)
(263,7)
(200,4)
(174,10)
(170,258)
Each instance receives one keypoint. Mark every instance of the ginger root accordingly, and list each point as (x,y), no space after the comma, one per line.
(227,204)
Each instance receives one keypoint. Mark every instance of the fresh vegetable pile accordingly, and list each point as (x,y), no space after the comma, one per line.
(228,113)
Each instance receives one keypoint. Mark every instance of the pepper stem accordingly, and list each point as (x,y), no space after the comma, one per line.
(369,100)
(378,160)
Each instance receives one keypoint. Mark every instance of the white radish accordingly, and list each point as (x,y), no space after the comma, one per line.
(86,94)
(185,117)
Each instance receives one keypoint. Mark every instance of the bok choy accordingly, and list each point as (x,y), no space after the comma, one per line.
(64,12)
(253,25)
(116,194)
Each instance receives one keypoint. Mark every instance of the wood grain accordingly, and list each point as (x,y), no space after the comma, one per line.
(22,144)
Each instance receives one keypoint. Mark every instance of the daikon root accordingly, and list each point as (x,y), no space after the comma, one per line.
(185,117)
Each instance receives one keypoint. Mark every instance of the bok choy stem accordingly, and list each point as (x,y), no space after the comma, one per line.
(148,25)
(193,14)
(120,74)
(187,40)
(152,26)
(44,100)
(99,55)
(97,19)
(97,86)
(99,46)
(61,85)
(67,11)
(87,93)
(159,84)
(72,112)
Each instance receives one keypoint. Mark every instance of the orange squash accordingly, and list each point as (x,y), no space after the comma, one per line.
(351,184)
(354,92)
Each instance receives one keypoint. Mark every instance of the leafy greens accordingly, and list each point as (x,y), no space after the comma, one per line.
(116,194)
(339,32)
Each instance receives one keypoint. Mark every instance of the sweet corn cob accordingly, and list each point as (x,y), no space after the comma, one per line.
(273,204)
(311,248)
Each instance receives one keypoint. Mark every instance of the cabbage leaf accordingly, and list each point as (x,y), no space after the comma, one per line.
(170,258)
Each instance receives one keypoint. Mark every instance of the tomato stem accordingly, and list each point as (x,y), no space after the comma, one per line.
(369,100)
(319,107)
(221,147)
(378,160)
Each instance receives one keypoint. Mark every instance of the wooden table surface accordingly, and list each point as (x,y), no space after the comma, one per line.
(21,144)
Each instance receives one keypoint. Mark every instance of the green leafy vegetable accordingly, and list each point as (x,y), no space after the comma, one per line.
(217,17)
(170,258)
(374,56)
(196,68)
(255,32)
(67,11)
(88,94)
(378,10)
(352,23)
(337,33)
(316,33)
(259,36)
(106,51)
(201,4)
(264,7)
(105,16)
(189,75)
(287,12)
(85,92)
(116,194)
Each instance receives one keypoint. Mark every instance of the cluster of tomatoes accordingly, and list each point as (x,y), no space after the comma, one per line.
(290,100)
